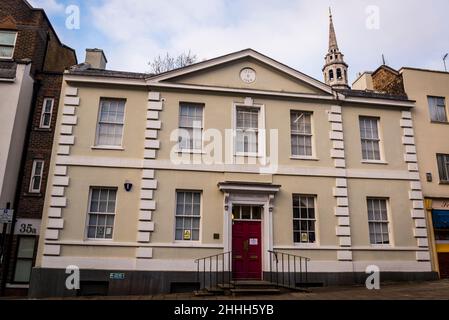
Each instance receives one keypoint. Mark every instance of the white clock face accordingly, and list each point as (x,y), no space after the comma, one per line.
(248,75)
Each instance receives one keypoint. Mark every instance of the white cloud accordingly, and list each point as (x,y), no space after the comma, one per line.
(50,6)
(293,32)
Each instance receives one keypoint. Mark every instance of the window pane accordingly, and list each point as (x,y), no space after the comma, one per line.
(91,232)
(6,52)
(236,212)
(443,167)
(93,219)
(110,127)
(188,204)
(437,109)
(304,219)
(196,209)
(257,213)
(26,248)
(191,123)
(101,220)
(378,221)
(246,212)
(22,272)
(48,105)
(36,183)
(101,225)
(7,38)
(100,232)
(188,223)
(46,120)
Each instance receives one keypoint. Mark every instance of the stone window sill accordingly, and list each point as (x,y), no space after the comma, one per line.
(440,122)
(113,148)
(304,158)
(382,162)
(42,129)
(32,195)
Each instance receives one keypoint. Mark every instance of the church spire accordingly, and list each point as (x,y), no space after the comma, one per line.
(333,46)
(335,69)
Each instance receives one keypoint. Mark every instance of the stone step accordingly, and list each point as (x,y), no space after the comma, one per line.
(251,284)
(203,293)
(236,292)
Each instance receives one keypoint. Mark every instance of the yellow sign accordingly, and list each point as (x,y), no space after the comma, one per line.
(304,237)
(187,234)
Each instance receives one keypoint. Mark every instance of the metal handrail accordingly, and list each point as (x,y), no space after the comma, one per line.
(209,274)
(285,277)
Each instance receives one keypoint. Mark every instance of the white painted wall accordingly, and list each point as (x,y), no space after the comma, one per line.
(15,103)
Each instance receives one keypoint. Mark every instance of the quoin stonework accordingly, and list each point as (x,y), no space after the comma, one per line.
(343,191)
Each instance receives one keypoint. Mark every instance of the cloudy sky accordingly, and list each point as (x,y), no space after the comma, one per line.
(295,32)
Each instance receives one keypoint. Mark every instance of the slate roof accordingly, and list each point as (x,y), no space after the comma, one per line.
(85,70)
(372,94)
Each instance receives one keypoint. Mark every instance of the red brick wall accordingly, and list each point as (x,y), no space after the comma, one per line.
(34,31)
(40,147)
(385,80)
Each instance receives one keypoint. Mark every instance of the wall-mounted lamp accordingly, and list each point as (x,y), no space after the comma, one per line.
(429,177)
(128,186)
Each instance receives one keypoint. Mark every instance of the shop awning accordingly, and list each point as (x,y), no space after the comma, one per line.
(440,219)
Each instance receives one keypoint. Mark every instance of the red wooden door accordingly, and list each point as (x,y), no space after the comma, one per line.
(247,250)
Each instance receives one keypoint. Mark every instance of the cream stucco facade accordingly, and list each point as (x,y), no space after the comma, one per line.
(143,237)
(431,140)
(430,134)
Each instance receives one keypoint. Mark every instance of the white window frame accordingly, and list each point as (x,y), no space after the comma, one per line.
(261,141)
(379,141)
(388,222)
(251,213)
(178,148)
(200,217)
(97,135)
(315,243)
(41,123)
(86,236)
(13,46)
(33,175)
(313,156)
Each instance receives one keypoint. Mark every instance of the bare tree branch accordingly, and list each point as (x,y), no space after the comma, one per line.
(167,62)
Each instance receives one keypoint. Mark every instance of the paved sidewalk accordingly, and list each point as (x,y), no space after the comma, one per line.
(435,290)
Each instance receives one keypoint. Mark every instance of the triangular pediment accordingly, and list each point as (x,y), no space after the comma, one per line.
(225,72)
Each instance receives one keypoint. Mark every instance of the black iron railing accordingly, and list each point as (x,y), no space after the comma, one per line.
(288,270)
(214,270)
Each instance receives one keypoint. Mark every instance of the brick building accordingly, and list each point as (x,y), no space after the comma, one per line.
(32,62)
